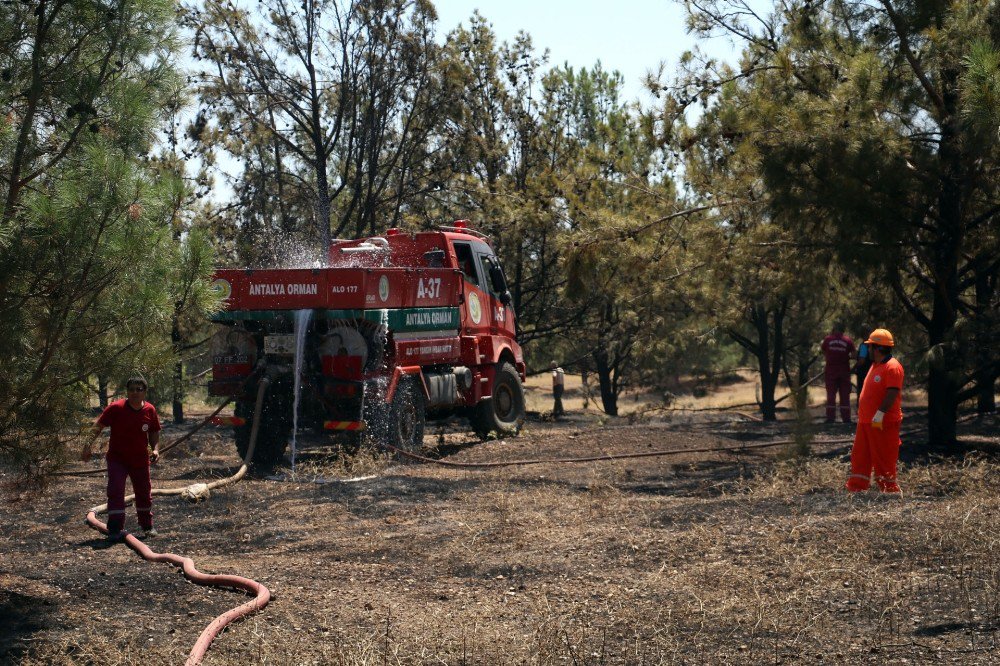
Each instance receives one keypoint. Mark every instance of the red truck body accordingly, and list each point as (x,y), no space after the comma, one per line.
(429,311)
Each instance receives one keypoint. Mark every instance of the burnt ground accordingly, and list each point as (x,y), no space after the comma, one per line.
(698,557)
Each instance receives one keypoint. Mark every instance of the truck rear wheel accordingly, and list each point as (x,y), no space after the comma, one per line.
(403,423)
(503,412)
(272,434)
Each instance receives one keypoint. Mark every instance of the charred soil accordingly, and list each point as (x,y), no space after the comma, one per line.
(697,557)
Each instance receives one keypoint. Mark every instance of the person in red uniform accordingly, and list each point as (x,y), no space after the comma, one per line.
(876,441)
(134,444)
(838,349)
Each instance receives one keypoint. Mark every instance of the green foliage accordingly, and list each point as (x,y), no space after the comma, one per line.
(87,258)
(329,112)
(192,263)
(553,165)
(85,290)
(821,177)
(504,156)
(625,258)
(981,88)
(867,127)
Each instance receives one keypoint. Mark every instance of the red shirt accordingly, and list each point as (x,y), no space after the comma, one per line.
(837,350)
(130,430)
(881,377)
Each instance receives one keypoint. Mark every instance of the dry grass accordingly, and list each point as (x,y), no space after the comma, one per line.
(697,558)
(538,395)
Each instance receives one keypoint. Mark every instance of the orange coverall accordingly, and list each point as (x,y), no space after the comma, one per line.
(873,447)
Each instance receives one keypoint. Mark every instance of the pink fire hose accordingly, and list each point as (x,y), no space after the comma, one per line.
(261,594)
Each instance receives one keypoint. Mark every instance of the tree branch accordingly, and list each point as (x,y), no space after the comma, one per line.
(918,71)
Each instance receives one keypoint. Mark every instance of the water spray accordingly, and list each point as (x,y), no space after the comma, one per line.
(301,327)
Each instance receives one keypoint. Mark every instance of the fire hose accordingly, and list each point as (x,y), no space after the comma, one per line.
(609,456)
(200,491)
(262,594)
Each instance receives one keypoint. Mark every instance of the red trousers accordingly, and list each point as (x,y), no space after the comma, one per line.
(839,383)
(141,485)
(878,450)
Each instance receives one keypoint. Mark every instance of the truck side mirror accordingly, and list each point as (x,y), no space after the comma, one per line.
(506,298)
(497,280)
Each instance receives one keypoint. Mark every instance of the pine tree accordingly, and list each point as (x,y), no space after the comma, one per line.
(852,119)
(84,238)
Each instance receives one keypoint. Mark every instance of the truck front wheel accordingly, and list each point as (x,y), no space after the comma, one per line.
(503,412)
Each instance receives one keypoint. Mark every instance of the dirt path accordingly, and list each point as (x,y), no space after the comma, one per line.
(695,557)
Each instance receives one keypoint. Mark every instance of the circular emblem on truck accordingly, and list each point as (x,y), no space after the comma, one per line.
(222,288)
(383,288)
(475,308)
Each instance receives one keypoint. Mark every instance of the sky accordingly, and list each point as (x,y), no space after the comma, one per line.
(631,36)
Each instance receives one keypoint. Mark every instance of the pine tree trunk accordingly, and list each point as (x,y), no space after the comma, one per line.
(320,166)
(609,399)
(942,376)
(768,383)
(986,402)
(102,391)
(942,381)
(323,206)
(178,402)
(942,412)
(177,390)
(769,351)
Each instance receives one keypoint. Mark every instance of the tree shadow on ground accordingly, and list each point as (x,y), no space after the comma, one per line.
(932,630)
(23,616)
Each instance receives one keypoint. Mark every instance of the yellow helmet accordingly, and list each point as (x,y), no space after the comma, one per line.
(881,337)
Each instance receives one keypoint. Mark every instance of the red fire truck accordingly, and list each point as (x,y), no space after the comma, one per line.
(394,330)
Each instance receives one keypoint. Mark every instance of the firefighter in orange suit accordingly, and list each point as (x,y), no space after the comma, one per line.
(876,441)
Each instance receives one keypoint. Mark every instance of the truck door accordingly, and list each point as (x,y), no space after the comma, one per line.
(501,312)
(476,308)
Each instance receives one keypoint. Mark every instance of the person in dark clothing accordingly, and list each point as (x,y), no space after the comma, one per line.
(862,365)
(558,386)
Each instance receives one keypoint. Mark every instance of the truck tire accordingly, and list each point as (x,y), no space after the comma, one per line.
(403,424)
(272,435)
(502,414)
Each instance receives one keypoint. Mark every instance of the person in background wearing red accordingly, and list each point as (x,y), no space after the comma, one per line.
(134,444)
(876,441)
(838,349)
